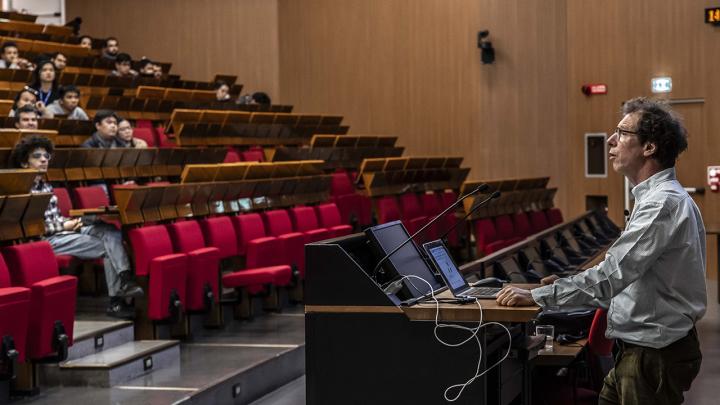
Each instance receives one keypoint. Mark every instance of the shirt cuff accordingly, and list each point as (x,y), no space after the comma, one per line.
(541,294)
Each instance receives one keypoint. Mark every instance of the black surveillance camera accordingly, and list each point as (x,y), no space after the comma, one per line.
(488,52)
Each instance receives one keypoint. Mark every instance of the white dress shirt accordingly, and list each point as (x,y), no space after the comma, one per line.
(653,277)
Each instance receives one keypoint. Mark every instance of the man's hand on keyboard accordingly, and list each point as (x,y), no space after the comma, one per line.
(514,297)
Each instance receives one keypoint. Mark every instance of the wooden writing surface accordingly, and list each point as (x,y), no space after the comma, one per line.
(12,210)
(201,199)
(92,166)
(184,200)
(143,165)
(151,203)
(232,171)
(111,162)
(33,219)
(195,173)
(127,162)
(168,201)
(17,181)
(129,201)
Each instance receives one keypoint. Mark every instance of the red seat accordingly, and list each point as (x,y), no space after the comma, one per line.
(411,212)
(64,202)
(144,124)
(554,216)
(329,217)
(163,139)
(387,209)
(506,231)
(431,208)
(521,225)
(14,313)
(350,204)
(538,221)
(232,156)
(166,271)
(305,221)
(262,253)
(203,264)
(448,198)
(91,197)
(219,233)
(147,135)
(253,155)
(278,224)
(485,235)
(52,302)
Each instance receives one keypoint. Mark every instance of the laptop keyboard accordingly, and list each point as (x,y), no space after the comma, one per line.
(482,292)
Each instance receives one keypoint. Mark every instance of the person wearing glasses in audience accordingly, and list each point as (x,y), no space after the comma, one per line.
(86,42)
(123,66)
(44,81)
(59,60)
(106,129)
(28,96)
(125,137)
(652,280)
(71,236)
(68,104)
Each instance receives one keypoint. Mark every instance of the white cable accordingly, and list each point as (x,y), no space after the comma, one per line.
(473,335)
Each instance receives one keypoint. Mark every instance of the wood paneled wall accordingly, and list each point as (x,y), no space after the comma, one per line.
(200,37)
(412,68)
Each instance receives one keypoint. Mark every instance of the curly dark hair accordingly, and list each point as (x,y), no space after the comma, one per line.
(22,150)
(659,125)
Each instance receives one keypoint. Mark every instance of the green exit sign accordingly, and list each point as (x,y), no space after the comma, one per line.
(712,15)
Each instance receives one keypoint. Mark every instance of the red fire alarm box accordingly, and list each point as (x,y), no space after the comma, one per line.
(592,89)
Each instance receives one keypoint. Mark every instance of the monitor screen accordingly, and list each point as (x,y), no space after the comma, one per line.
(407,260)
(447,267)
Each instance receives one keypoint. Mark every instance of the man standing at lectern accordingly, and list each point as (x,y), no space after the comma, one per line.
(652,280)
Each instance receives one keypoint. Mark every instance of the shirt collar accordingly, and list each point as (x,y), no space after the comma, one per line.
(103,143)
(645,187)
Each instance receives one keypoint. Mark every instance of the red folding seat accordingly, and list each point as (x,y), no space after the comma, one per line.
(253,155)
(329,217)
(14,317)
(91,197)
(554,216)
(387,209)
(232,156)
(349,202)
(278,224)
(538,221)
(52,301)
(431,208)
(262,253)
(166,271)
(144,124)
(64,205)
(305,221)
(448,198)
(411,212)
(521,225)
(147,135)
(201,289)
(164,140)
(485,235)
(505,230)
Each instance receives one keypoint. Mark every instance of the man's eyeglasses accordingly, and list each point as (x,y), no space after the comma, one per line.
(38,155)
(619,131)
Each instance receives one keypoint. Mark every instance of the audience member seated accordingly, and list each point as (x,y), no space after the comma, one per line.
(111,49)
(27,117)
(59,60)
(68,104)
(28,96)
(222,91)
(9,55)
(123,66)
(70,236)
(148,69)
(256,98)
(125,137)
(105,131)
(44,80)
(86,41)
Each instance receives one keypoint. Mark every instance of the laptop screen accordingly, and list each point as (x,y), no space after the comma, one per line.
(445,264)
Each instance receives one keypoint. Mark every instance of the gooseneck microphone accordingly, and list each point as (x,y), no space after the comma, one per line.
(493,196)
(479,189)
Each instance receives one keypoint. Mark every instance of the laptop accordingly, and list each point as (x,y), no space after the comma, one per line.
(444,264)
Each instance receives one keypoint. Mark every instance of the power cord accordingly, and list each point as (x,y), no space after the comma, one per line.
(473,335)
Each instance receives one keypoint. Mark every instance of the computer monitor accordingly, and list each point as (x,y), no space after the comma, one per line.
(407,261)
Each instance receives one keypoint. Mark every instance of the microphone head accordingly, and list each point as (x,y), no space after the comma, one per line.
(481,188)
(496,194)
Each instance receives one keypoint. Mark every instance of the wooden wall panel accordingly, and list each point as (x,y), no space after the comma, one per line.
(412,68)
(200,37)
(625,44)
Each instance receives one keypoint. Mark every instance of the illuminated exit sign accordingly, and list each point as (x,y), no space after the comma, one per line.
(661,84)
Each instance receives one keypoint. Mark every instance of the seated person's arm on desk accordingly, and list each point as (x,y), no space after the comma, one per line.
(632,254)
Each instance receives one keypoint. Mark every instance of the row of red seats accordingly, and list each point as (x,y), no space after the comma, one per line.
(37,304)
(354,207)
(417,210)
(254,154)
(493,234)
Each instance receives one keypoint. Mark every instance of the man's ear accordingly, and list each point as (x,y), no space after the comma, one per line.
(649,149)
